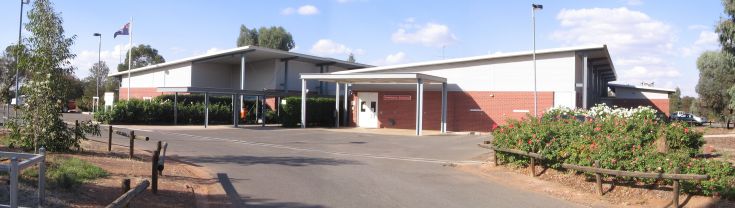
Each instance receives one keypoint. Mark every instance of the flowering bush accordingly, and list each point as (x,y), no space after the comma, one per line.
(621,139)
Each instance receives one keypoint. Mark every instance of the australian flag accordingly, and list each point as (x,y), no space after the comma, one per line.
(123,31)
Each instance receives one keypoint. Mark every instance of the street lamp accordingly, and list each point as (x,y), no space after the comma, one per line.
(17,65)
(99,66)
(535,7)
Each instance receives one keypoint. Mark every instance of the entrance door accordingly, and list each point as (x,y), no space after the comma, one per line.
(367,112)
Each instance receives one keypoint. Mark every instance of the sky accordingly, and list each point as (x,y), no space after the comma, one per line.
(649,41)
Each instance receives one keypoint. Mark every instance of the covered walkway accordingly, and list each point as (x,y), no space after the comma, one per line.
(379,78)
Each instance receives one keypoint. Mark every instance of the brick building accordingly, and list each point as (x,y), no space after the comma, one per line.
(483,92)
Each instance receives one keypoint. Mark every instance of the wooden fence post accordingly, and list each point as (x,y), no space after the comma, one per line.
(109,140)
(154,171)
(598,178)
(495,157)
(132,143)
(533,165)
(125,186)
(676,189)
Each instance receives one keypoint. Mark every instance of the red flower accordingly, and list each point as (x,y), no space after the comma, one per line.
(510,126)
(597,129)
(529,141)
(534,136)
(686,130)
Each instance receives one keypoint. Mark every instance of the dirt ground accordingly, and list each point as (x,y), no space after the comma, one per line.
(182,184)
(579,188)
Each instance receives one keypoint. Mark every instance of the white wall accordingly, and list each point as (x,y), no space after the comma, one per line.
(211,75)
(178,75)
(633,93)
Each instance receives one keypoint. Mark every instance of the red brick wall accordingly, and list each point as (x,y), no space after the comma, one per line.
(271,103)
(662,105)
(489,109)
(139,93)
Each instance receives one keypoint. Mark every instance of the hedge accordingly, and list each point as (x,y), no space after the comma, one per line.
(621,139)
(197,98)
(319,112)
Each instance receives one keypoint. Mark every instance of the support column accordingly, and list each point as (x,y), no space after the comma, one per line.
(285,75)
(336,105)
(176,108)
(321,83)
(206,109)
(443,127)
(262,110)
(303,103)
(585,76)
(234,110)
(346,111)
(242,86)
(419,106)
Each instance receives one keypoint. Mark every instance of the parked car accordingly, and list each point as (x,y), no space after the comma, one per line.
(687,117)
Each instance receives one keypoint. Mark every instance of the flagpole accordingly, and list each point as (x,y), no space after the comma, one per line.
(130,53)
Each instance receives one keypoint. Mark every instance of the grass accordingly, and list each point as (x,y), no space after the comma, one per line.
(67,172)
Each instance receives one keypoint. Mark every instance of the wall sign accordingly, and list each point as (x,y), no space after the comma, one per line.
(397,97)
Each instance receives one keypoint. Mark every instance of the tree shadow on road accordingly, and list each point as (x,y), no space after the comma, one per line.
(256,160)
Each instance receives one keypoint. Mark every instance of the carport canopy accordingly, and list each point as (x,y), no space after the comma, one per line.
(380,78)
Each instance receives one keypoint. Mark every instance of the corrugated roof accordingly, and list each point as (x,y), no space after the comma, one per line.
(483,57)
(247,49)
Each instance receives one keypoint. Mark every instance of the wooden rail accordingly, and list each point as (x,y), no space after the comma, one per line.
(676,176)
(125,198)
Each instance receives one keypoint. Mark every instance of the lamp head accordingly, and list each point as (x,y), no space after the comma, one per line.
(97,34)
(25,1)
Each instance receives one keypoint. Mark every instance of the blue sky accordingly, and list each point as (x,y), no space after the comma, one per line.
(651,41)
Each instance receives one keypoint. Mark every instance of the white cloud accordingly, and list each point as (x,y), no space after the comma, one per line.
(638,43)
(395,58)
(86,58)
(634,2)
(288,11)
(698,27)
(707,40)
(213,50)
(428,34)
(327,47)
(302,10)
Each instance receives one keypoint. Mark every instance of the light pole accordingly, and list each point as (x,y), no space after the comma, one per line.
(535,7)
(17,64)
(99,67)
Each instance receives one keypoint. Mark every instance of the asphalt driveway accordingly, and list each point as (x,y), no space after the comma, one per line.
(276,167)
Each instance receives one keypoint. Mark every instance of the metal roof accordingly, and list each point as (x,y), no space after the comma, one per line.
(613,85)
(252,53)
(598,53)
(374,78)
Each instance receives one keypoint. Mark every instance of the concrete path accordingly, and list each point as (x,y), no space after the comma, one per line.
(276,167)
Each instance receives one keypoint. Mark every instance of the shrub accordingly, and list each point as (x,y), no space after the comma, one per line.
(620,139)
(319,112)
(161,112)
(67,173)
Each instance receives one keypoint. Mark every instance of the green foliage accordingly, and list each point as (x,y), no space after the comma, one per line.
(247,37)
(319,112)
(726,27)
(162,112)
(47,64)
(621,139)
(67,173)
(143,55)
(197,98)
(8,69)
(273,37)
(351,58)
(675,101)
(716,76)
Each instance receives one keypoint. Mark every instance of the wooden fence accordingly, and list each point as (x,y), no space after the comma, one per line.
(676,177)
